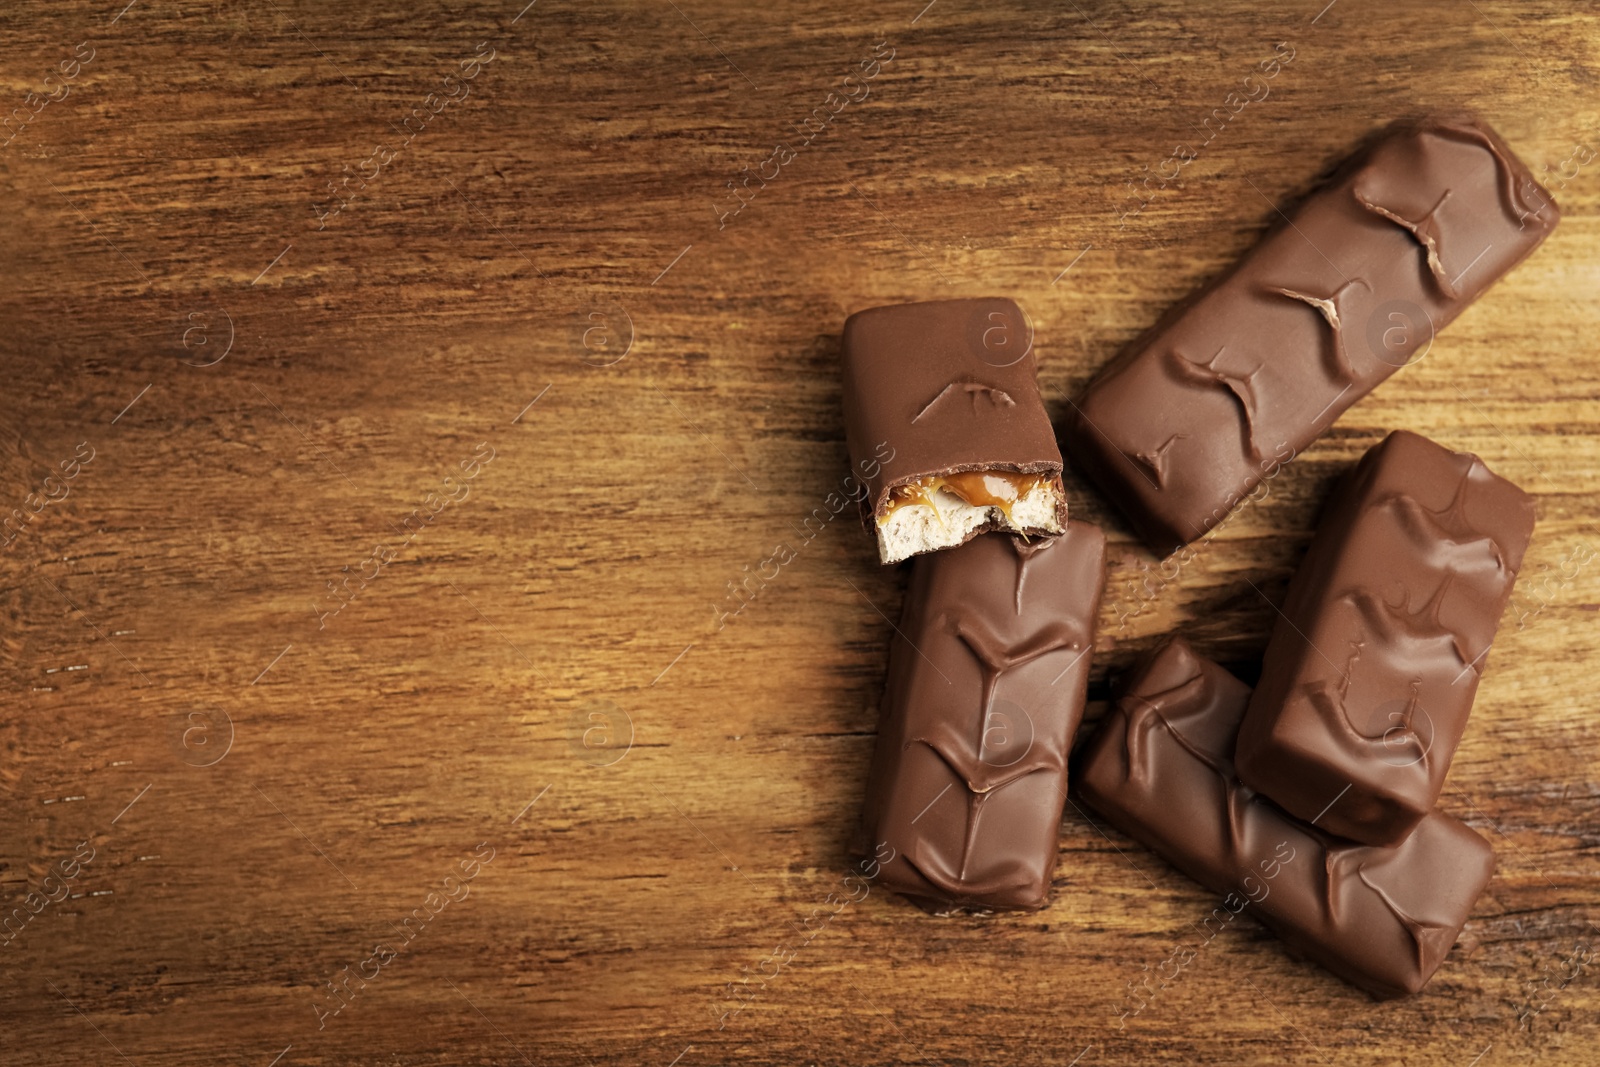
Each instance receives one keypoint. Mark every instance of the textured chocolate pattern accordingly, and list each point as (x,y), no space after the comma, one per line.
(951,386)
(1373,665)
(986,686)
(1159,770)
(1244,374)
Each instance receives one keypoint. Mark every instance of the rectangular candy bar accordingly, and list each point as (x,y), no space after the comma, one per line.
(1159,770)
(986,685)
(944,422)
(1376,656)
(1239,378)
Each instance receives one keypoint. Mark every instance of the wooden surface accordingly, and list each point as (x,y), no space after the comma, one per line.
(269,788)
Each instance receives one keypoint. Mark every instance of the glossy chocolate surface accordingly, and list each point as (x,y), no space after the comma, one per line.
(1160,770)
(1239,378)
(986,685)
(942,388)
(1375,658)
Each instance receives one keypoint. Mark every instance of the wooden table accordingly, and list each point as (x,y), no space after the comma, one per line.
(421,393)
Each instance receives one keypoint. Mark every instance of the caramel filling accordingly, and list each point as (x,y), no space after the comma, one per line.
(978,489)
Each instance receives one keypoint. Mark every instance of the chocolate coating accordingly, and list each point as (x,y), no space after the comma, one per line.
(1240,377)
(1375,659)
(949,386)
(1159,770)
(986,685)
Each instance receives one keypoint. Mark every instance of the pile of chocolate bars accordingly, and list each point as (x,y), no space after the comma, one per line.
(1309,802)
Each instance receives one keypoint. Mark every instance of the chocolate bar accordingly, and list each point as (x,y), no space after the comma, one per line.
(1375,658)
(987,675)
(944,421)
(1239,378)
(1159,770)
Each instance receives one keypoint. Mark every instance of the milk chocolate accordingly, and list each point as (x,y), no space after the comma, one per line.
(1239,378)
(941,389)
(1384,633)
(1159,770)
(987,674)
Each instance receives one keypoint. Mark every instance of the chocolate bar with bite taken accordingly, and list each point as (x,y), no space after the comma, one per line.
(942,413)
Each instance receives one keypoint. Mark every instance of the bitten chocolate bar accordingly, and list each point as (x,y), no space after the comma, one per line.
(1239,378)
(1384,633)
(986,685)
(949,391)
(1159,770)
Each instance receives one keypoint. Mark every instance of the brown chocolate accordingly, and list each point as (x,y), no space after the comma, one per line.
(987,674)
(939,389)
(1375,659)
(1159,770)
(1239,378)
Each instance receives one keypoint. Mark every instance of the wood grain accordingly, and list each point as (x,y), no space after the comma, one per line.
(547,637)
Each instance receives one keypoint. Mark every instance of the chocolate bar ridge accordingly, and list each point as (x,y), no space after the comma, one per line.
(987,676)
(1237,379)
(1374,662)
(1159,770)
(942,388)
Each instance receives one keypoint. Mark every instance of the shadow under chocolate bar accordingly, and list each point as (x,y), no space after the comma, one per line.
(987,675)
(1160,771)
(1240,377)
(1375,659)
